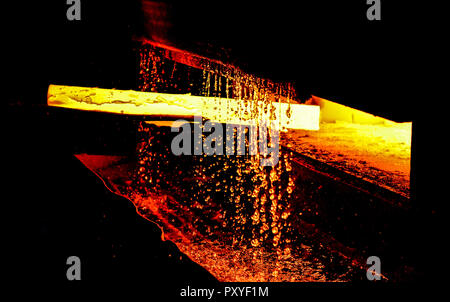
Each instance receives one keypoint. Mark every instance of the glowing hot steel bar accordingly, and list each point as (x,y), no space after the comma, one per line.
(222,110)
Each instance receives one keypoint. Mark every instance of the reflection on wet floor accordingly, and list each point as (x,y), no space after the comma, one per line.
(227,213)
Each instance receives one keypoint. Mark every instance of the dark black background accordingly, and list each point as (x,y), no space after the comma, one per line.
(58,209)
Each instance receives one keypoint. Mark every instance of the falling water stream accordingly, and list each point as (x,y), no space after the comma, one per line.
(229,214)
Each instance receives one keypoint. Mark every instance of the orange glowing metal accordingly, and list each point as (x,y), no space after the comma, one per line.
(162,104)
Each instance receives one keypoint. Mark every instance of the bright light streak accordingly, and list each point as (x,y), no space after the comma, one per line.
(162,104)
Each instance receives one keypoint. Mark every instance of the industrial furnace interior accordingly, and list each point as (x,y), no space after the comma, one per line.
(190,146)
